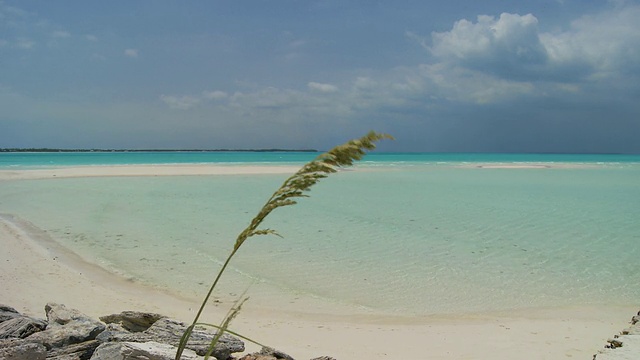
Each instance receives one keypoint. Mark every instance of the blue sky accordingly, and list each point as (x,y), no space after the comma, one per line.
(463,76)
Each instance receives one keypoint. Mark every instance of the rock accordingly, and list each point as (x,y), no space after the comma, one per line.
(267,353)
(7,313)
(139,351)
(324,358)
(632,330)
(21,327)
(81,351)
(627,349)
(257,356)
(275,353)
(133,321)
(614,343)
(73,333)
(20,349)
(58,314)
(67,327)
(110,333)
(170,331)
(625,346)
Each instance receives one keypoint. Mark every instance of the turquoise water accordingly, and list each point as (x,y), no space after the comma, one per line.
(22,160)
(407,234)
(26,159)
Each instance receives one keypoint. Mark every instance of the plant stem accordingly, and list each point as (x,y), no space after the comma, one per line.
(187,334)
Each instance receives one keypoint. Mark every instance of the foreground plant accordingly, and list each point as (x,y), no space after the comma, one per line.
(294,187)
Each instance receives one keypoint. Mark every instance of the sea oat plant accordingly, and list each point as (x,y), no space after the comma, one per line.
(294,187)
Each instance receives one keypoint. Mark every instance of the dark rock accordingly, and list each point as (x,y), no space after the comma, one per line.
(139,351)
(110,332)
(21,349)
(133,321)
(21,327)
(257,356)
(324,358)
(632,330)
(267,353)
(7,313)
(67,327)
(275,353)
(614,343)
(170,331)
(81,351)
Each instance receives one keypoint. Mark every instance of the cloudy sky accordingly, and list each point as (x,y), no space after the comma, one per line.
(462,76)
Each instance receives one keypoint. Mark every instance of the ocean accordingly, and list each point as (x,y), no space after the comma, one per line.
(404,234)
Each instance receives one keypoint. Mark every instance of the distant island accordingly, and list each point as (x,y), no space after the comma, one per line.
(151,150)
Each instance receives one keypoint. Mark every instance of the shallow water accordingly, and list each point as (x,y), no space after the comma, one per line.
(423,239)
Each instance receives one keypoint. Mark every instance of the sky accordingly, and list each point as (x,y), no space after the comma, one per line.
(440,76)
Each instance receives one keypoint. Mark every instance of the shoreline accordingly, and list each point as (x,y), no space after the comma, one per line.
(528,333)
(35,270)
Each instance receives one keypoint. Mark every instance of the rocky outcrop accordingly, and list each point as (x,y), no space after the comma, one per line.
(21,349)
(625,346)
(68,334)
(7,312)
(133,321)
(81,351)
(267,353)
(169,331)
(20,327)
(147,350)
(66,327)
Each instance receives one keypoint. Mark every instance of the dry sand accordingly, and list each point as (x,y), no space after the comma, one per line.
(35,270)
(144,170)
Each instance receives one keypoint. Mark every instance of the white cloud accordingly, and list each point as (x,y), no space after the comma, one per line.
(132,53)
(60,34)
(417,38)
(14,11)
(512,47)
(363,83)
(607,43)
(180,102)
(215,95)
(268,98)
(502,62)
(24,43)
(91,37)
(468,86)
(510,39)
(325,88)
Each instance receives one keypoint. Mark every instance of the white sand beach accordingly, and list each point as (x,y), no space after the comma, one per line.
(144,170)
(34,271)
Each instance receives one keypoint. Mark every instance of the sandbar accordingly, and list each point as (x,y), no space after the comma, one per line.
(143,170)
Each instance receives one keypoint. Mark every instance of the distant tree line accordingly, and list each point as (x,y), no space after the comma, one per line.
(151,150)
